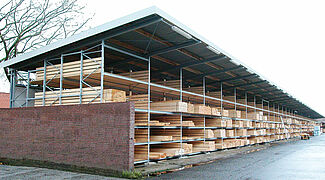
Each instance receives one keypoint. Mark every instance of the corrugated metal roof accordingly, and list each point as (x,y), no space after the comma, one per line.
(229,70)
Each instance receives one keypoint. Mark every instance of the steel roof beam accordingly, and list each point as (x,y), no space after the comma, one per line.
(243,85)
(188,64)
(238,77)
(215,72)
(173,48)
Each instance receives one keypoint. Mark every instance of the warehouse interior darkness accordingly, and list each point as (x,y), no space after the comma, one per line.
(188,96)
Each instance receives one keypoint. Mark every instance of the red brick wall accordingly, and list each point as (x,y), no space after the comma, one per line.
(4,100)
(94,135)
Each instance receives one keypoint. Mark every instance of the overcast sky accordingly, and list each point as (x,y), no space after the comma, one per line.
(282,40)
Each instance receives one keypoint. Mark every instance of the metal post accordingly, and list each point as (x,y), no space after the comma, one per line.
(246,104)
(12,88)
(82,76)
(204,104)
(235,94)
(235,99)
(44,81)
(102,72)
(221,98)
(149,92)
(27,88)
(181,99)
(61,79)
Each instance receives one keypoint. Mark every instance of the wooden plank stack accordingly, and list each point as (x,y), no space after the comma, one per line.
(200,146)
(139,75)
(70,69)
(88,95)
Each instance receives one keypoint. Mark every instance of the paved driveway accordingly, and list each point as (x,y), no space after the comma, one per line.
(294,160)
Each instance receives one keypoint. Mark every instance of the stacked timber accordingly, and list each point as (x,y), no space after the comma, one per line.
(197,90)
(229,123)
(197,133)
(190,108)
(198,121)
(170,83)
(138,75)
(140,100)
(169,106)
(141,119)
(172,149)
(70,69)
(219,133)
(215,122)
(252,132)
(167,134)
(237,123)
(202,109)
(88,95)
(248,124)
(174,120)
(216,94)
(215,111)
(230,133)
(234,113)
(140,135)
(200,146)
(241,132)
(224,112)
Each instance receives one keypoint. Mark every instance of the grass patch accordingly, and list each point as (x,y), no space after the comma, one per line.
(132,174)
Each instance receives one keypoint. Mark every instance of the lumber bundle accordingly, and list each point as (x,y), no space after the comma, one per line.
(88,95)
(215,111)
(197,90)
(248,124)
(224,112)
(140,101)
(140,153)
(139,75)
(197,133)
(198,121)
(251,132)
(169,106)
(174,120)
(170,83)
(215,122)
(173,134)
(229,123)
(216,94)
(219,133)
(241,132)
(140,135)
(69,69)
(234,113)
(200,146)
(237,123)
(202,109)
(141,119)
(230,133)
(190,108)
(172,149)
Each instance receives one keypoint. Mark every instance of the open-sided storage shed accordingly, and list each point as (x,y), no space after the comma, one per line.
(166,69)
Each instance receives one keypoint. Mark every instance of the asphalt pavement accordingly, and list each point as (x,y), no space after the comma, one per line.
(296,160)
(34,173)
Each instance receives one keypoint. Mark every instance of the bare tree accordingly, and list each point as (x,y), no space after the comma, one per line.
(29,24)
